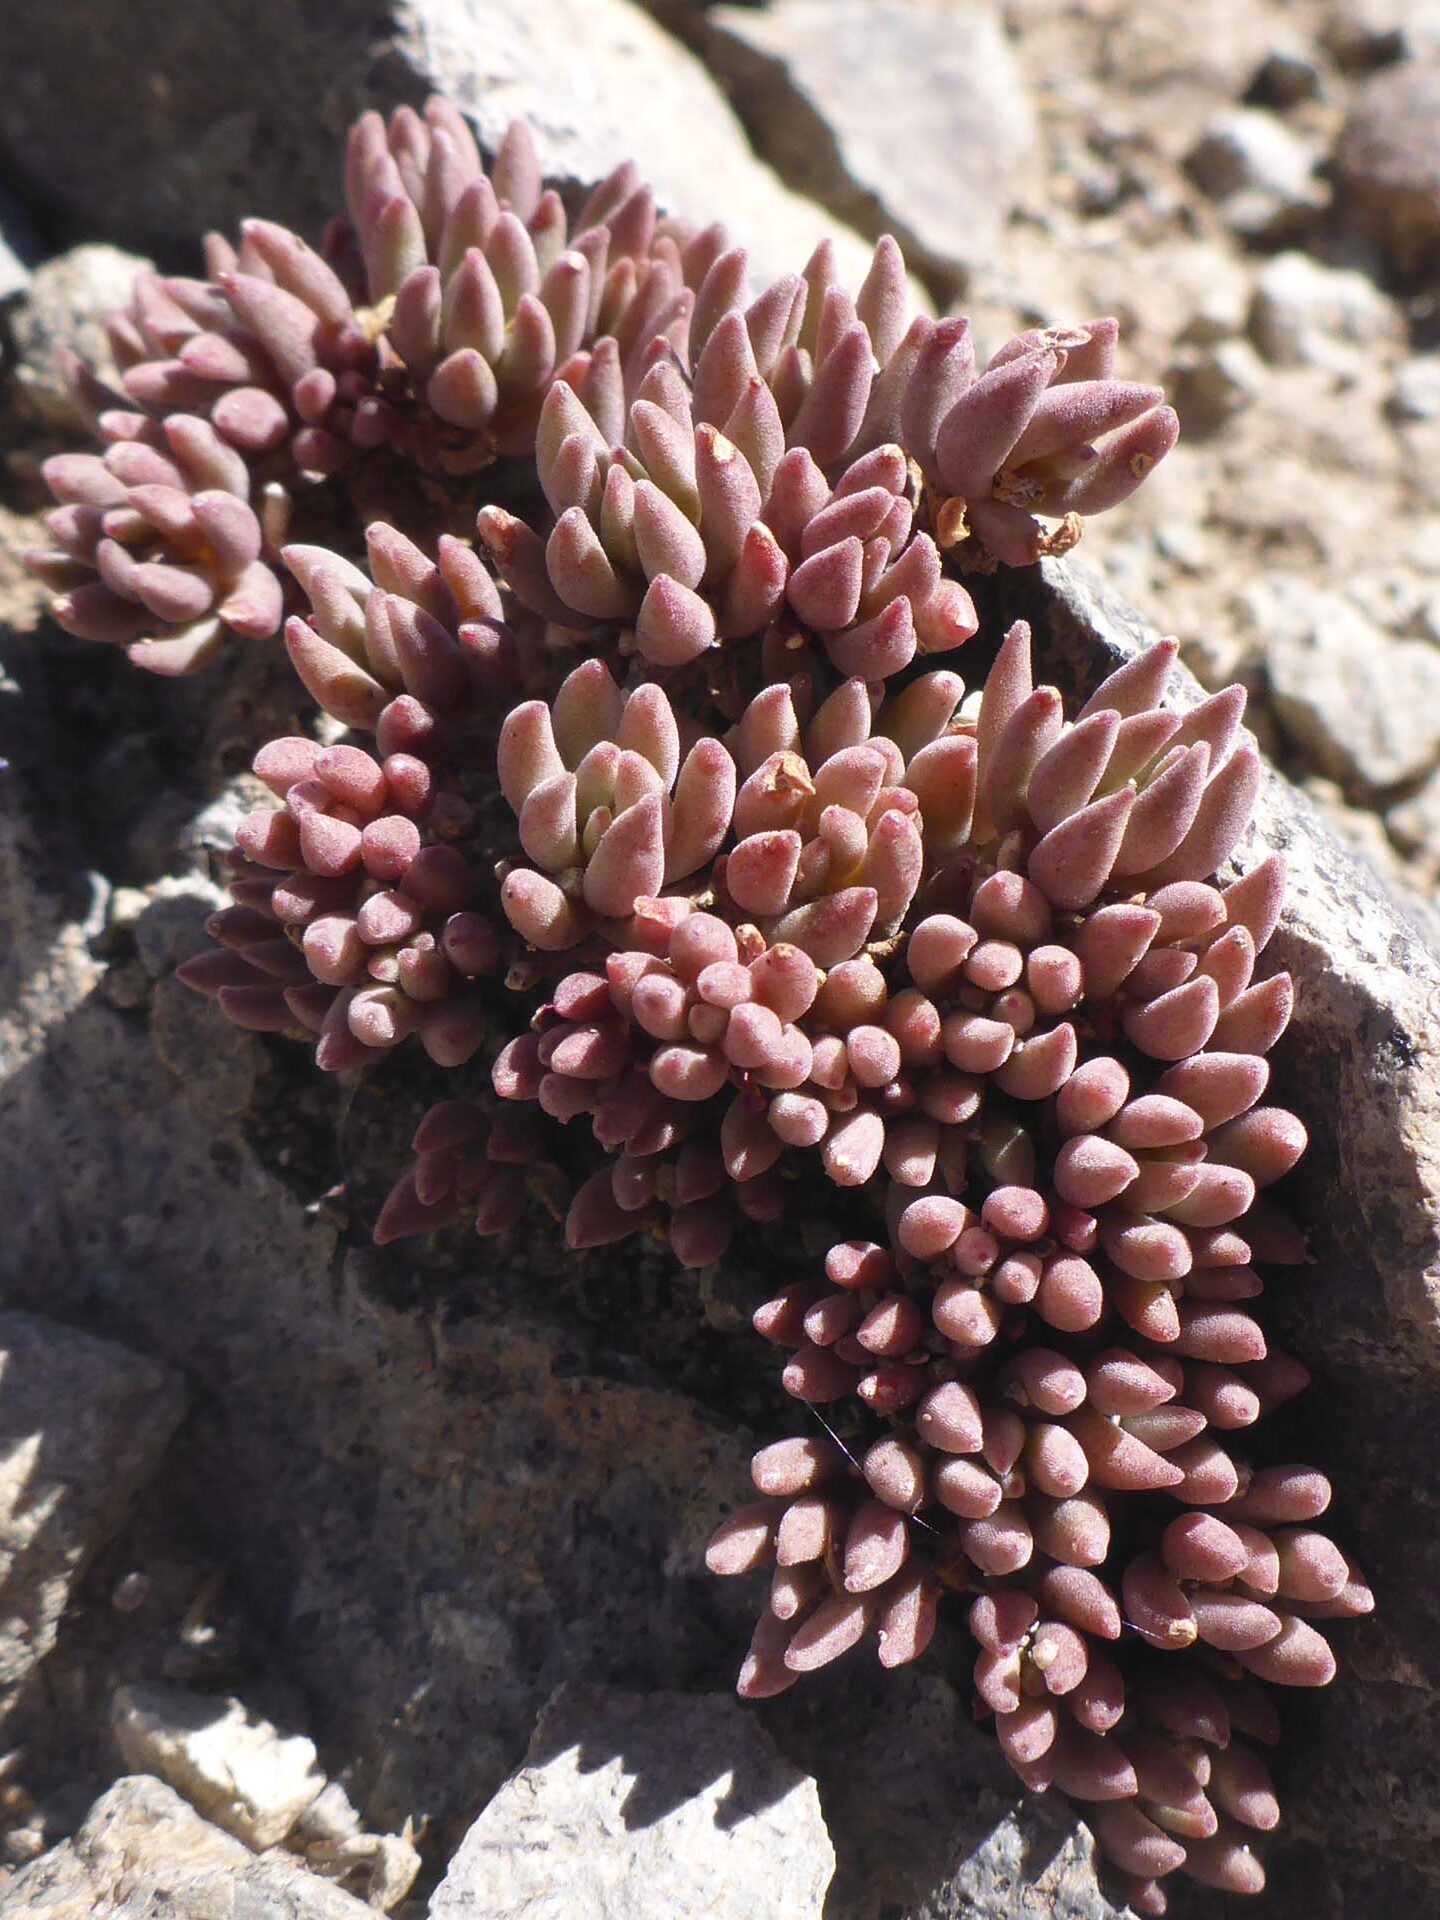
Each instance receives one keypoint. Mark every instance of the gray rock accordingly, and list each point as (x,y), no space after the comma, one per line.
(233,1767)
(83,1423)
(1259,171)
(644,1807)
(152,163)
(1362,707)
(1306,314)
(872,108)
(143,1852)
(170,928)
(1388,165)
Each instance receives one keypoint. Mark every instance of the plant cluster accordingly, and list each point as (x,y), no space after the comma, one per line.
(664,755)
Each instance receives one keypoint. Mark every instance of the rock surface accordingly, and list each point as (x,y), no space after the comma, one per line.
(238,1771)
(644,1807)
(83,1423)
(142,1853)
(130,151)
(825,86)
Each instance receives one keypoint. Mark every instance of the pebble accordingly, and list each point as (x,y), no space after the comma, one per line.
(1302,311)
(1259,171)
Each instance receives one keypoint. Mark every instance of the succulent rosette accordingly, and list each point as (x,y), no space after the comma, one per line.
(804,925)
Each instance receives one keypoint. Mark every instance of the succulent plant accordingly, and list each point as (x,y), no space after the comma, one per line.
(794,911)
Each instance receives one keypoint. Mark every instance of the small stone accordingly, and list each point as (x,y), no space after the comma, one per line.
(1416,393)
(1388,166)
(142,1852)
(1302,312)
(23,1844)
(1259,171)
(1285,77)
(1211,386)
(1363,708)
(234,1768)
(644,1807)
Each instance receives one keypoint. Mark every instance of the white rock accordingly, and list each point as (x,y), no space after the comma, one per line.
(65,306)
(1302,311)
(237,1770)
(658,1806)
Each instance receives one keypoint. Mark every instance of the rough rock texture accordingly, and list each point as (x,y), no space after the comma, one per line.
(1389,164)
(825,85)
(644,1807)
(597,82)
(143,1853)
(233,1768)
(83,1423)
